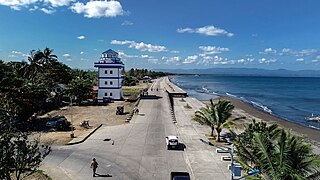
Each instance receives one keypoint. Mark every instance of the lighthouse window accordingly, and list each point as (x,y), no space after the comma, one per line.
(106,72)
(106,83)
(111,72)
(106,94)
(111,83)
(110,94)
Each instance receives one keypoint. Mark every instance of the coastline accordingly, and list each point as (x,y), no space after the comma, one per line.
(310,133)
(250,112)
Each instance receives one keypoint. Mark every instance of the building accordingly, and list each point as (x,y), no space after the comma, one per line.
(109,76)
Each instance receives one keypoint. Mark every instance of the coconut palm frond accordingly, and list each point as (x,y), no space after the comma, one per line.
(264,147)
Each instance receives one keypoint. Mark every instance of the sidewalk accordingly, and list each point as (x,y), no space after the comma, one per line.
(205,163)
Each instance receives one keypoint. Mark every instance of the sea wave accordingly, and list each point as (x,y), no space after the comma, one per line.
(314,127)
(262,107)
(231,95)
(205,89)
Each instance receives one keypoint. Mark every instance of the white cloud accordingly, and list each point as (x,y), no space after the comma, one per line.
(317,59)
(299,53)
(16,52)
(141,46)
(240,60)
(144,56)
(97,9)
(300,59)
(57,3)
(269,51)
(212,50)
(48,11)
(126,56)
(34,8)
(66,55)
(17,4)
(266,61)
(154,60)
(81,37)
(206,30)
(81,52)
(305,52)
(190,59)
(126,23)
(172,60)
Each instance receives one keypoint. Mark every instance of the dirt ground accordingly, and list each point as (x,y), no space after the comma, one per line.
(96,115)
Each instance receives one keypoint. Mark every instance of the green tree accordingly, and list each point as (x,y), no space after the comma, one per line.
(47,56)
(243,141)
(277,153)
(19,155)
(206,115)
(216,116)
(80,88)
(223,111)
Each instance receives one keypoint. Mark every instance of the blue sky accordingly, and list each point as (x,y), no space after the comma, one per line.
(166,34)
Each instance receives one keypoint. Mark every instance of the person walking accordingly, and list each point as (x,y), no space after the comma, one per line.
(94,166)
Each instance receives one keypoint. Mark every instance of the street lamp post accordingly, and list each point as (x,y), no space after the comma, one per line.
(72,127)
(250,173)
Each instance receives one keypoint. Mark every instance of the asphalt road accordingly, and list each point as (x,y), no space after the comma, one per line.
(139,150)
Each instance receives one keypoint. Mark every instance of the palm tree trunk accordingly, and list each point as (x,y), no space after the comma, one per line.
(218,134)
(212,129)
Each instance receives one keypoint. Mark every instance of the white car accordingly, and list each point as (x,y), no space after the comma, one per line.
(172,142)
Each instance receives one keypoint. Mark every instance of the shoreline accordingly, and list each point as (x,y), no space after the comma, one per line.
(301,130)
(251,112)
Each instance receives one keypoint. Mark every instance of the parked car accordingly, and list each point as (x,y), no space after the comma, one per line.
(58,122)
(180,176)
(172,142)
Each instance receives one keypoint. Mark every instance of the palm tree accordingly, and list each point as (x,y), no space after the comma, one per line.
(47,56)
(243,142)
(216,116)
(223,111)
(34,64)
(206,116)
(276,153)
(286,158)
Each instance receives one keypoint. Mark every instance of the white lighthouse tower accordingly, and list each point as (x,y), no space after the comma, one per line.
(109,76)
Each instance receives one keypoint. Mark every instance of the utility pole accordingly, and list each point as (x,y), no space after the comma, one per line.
(72,127)
(231,153)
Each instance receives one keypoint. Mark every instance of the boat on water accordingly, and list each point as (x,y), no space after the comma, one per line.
(313,118)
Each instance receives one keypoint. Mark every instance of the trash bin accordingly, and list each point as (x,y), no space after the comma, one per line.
(236,169)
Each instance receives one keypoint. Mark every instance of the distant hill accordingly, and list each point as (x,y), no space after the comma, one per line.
(246,72)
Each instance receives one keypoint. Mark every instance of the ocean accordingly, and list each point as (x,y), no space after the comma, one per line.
(295,99)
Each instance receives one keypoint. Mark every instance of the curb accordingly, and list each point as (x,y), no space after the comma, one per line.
(81,141)
(131,113)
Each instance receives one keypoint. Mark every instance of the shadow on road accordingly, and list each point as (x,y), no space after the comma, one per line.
(181,147)
(151,97)
(206,142)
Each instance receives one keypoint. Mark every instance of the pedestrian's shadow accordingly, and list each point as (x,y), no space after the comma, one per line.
(103,175)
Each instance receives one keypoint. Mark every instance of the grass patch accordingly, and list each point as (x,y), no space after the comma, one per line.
(131,93)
